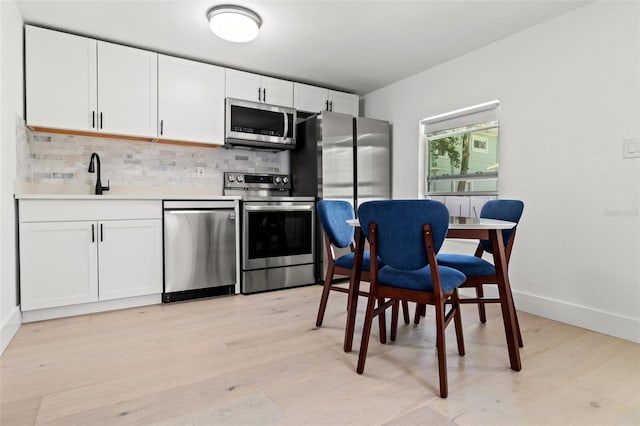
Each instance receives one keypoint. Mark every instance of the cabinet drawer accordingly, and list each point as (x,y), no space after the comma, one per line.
(67,210)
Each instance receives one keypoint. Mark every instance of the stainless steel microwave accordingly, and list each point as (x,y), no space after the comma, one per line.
(261,125)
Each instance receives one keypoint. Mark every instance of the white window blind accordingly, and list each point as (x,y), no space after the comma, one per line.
(466,117)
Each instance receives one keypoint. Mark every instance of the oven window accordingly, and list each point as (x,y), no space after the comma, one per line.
(279,233)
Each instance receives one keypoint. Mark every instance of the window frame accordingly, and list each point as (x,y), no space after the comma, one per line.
(473,118)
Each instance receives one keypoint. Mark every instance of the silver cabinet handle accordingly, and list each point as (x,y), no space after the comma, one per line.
(259,95)
(264,95)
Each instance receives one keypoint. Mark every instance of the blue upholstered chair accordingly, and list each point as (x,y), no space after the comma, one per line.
(406,235)
(479,271)
(338,233)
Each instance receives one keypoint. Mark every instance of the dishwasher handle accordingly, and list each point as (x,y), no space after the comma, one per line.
(232,213)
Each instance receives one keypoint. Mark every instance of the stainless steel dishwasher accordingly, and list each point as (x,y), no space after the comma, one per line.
(200,249)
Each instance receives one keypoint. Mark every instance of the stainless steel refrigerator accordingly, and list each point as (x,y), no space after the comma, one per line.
(341,157)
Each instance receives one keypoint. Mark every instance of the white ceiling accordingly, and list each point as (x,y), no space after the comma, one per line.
(357,46)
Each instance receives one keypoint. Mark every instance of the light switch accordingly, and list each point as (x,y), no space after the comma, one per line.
(631,147)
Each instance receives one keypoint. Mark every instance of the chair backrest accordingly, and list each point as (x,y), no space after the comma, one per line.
(333,215)
(399,229)
(510,210)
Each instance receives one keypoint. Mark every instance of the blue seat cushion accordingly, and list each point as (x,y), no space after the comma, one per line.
(471,266)
(346,261)
(420,279)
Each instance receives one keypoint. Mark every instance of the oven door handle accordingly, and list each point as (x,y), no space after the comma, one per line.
(277,208)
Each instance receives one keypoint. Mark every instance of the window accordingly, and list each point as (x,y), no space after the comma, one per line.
(462,151)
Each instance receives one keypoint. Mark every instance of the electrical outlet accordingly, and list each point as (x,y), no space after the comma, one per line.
(200,172)
(631,148)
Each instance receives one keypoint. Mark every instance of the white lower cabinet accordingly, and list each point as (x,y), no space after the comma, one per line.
(129,258)
(58,264)
(65,261)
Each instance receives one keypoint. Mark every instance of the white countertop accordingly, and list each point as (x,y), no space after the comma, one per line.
(80,192)
(138,196)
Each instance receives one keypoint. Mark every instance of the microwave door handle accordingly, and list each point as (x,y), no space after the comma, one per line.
(286,125)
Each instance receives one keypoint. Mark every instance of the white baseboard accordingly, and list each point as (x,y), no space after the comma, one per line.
(90,308)
(10,328)
(581,316)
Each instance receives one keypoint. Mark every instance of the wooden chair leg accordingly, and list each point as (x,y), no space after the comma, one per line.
(515,314)
(405,311)
(325,296)
(366,333)
(441,348)
(457,322)
(382,321)
(482,313)
(421,310)
(394,320)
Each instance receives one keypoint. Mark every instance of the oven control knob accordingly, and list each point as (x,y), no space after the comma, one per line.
(285,180)
(239,178)
(278,180)
(231,178)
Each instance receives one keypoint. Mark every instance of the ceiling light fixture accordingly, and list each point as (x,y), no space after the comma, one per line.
(234,23)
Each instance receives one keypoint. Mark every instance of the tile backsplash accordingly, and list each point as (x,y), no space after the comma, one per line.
(55,159)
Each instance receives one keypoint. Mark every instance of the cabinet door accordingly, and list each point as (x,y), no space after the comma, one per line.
(190,101)
(345,103)
(243,85)
(58,264)
(127,90)
(130,258)
(309,98)
(60,80)
(277,92)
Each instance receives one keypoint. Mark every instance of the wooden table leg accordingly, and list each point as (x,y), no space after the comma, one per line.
(354,289)
(506,298)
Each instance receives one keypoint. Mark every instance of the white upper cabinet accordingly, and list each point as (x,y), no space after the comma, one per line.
(310,98)
(190,101)
(315,99)
(61,81)
(76,83)
(346,103)
(277,92)
(257,88)
(127,90)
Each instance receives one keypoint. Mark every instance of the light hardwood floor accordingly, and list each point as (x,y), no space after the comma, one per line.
(259,360)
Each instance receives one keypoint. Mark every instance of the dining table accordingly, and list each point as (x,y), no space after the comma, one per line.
(460,228)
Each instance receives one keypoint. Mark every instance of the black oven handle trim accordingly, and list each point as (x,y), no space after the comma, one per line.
(279,208)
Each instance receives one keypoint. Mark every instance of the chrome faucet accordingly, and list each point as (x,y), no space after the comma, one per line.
(99,187)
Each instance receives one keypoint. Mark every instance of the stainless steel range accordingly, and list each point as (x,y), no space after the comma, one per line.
(278,237)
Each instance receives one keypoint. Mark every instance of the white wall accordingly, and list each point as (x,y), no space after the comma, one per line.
(11,105)
(570,92)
